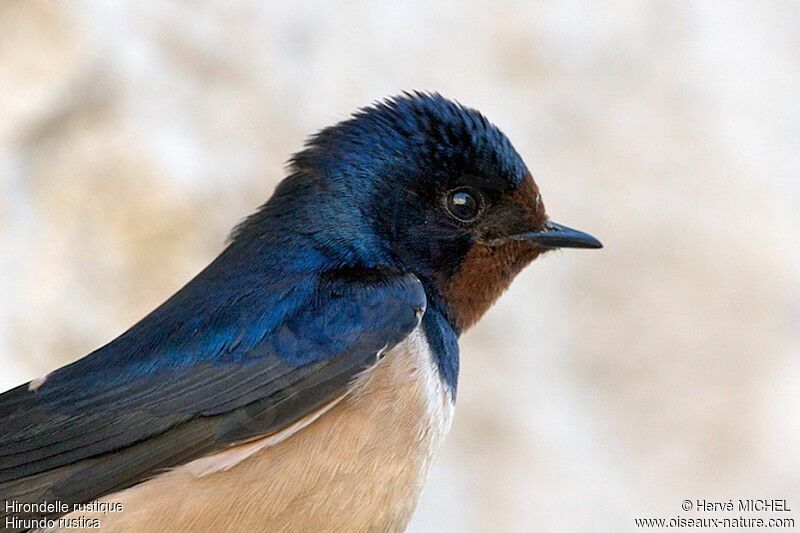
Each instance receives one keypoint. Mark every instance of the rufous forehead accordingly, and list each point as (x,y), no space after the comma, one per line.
(528,199)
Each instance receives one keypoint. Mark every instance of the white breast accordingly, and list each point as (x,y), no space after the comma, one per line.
(359,466)
(410,378)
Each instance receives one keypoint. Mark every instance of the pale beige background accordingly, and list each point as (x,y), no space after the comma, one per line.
(604,385)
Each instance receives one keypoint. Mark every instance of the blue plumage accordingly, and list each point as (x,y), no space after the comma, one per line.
(415,208)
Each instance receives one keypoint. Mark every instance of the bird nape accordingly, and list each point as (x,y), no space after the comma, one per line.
(305,378)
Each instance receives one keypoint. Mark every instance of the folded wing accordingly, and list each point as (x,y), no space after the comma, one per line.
(206,370)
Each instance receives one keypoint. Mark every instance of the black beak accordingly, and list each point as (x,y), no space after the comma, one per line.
(558,236)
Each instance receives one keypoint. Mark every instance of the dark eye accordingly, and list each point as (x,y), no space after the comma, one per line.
(464,204)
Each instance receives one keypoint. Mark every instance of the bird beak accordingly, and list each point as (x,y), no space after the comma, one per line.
(557,236)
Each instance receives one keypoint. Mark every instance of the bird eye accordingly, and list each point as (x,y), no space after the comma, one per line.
(464,204)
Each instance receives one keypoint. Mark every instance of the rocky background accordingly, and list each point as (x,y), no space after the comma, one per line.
(605,385)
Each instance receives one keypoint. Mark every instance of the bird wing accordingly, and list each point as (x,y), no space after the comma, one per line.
(171,390)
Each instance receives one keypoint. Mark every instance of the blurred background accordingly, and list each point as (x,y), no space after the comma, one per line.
(604,385)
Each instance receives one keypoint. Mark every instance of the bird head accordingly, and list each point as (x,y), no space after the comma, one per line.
(431,187)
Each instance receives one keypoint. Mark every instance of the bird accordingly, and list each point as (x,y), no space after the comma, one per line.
(305,379)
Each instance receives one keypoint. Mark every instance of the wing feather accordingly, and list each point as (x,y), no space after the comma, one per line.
(149,401)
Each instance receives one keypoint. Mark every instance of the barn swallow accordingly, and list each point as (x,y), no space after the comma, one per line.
(305,378)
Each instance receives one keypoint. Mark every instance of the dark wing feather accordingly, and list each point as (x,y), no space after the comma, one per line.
(152,400)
